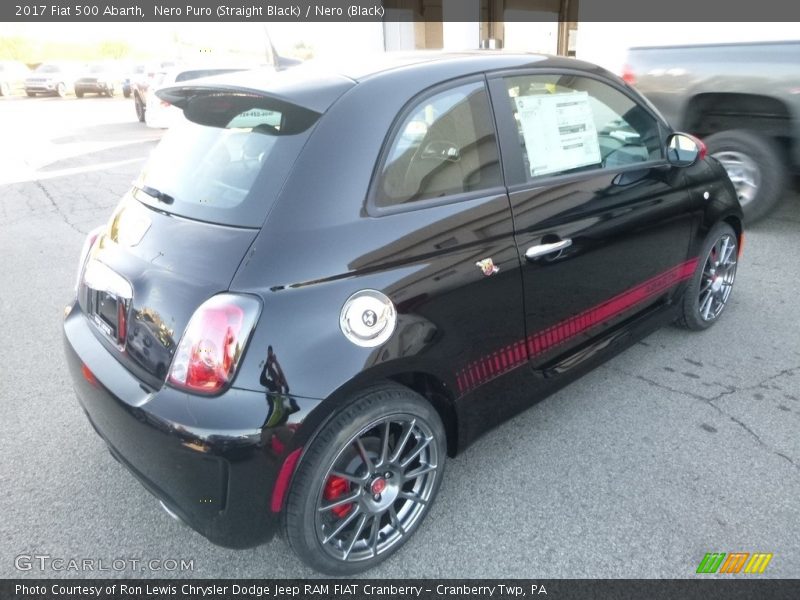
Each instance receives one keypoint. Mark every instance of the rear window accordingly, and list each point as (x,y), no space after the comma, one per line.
(228,161)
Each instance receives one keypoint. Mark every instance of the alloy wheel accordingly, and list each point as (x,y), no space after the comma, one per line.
(743,173)
(717,278)
(377,488)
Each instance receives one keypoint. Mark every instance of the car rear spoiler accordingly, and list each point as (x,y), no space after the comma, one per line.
(292,87)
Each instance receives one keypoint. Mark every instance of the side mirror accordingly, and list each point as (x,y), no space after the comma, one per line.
(683,150)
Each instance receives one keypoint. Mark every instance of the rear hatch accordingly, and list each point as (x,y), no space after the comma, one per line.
(178,236)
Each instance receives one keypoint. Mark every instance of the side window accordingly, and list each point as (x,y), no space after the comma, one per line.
(446,145)
(568,123)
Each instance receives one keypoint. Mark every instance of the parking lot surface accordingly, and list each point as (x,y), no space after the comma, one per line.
(683,445)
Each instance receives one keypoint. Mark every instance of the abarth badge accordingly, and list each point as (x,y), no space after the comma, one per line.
(487,266)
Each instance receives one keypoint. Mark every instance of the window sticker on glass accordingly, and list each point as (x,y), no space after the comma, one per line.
(559,131)
(255,117)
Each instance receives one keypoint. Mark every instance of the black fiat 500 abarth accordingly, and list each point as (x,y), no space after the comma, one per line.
(324,283)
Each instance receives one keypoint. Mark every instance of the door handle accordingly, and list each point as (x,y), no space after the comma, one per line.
(542,249)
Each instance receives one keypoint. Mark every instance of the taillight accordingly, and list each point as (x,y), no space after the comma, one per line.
(165,104)
(91,238)
(702,149)
(213,343)
(628,76)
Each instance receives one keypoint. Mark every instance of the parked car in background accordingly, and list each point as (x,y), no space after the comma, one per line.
(55,79)
(101,78)
(12,76)
(140,84)
(161,114)
(134,74)
(743,99)
(323,283)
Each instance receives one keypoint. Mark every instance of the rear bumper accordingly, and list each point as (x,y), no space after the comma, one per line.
(212,461)
(41,87)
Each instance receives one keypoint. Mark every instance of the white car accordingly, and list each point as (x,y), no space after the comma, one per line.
(161,114)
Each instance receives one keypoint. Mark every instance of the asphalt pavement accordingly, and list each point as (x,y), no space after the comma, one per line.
(685,444)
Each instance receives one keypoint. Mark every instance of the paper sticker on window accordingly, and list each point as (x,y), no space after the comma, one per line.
(559,131)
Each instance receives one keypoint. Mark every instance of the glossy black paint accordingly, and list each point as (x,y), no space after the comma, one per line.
(215,460)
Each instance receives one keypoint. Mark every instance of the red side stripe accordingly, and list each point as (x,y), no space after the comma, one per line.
(486,368)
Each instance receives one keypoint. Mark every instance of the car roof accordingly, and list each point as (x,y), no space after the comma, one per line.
(316,84)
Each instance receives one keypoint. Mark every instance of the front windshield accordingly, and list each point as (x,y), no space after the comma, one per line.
(47,69)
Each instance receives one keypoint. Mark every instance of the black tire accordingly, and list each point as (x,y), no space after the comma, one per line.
(386,507)
(5,89)
(78,94)
(126,93)
(709,289)
(140,110)
(110,92)
(31,94)
(61,90)
(771,175)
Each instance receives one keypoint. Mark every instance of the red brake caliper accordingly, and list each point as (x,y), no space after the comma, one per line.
(335,488)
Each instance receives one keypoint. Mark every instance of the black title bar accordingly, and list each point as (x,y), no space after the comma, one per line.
(389,10)
(706,588)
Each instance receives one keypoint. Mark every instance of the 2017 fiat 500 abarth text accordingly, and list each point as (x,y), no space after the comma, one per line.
(322,284)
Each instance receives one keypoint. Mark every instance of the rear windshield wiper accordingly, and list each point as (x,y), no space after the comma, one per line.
(154,193)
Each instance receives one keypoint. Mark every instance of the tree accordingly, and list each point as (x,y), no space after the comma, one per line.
(114,49)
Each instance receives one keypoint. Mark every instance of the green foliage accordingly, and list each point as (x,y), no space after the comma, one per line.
(14,48)
(37,51)
(114,49)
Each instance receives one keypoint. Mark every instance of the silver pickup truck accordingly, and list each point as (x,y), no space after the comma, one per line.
(742,99)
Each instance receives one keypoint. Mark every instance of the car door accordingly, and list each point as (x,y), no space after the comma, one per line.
(601,219)
(442,193)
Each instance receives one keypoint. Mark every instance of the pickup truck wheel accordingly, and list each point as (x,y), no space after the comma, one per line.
(712,282)
(139,108)
(755,167)
(366,481)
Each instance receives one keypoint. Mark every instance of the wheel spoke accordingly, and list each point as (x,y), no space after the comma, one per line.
(364,456)
(417,451)
(408,430)
(351,478)
(726,258)
(395,521)
(713,257)
(384,443)
(361,522)
(412,497)
(373,534)
(340,501)
(345,522)
(723,250)
(419,472)
(705,305)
